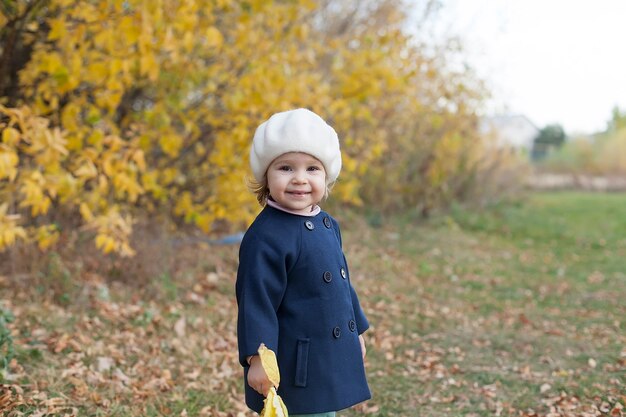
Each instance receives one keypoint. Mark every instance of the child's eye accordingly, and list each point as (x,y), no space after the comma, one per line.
(314,168)
(284,168)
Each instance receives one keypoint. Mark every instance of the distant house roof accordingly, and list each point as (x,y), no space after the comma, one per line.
(514,130)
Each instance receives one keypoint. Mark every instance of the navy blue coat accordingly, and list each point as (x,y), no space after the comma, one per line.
(294,294)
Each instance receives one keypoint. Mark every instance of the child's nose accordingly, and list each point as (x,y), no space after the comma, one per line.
(299,176)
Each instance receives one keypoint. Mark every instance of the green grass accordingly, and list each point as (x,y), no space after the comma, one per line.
(514,310)
(528,295)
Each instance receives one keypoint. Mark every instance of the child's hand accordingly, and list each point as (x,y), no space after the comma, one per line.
(257,378)
(363,349)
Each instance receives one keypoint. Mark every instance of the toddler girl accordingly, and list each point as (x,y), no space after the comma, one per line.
(293,284)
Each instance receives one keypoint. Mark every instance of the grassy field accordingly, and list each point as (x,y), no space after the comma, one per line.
(518,310)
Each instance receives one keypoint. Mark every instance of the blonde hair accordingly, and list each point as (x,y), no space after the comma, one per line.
(262,191)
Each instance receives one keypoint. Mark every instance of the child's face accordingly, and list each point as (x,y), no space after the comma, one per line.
(297,181)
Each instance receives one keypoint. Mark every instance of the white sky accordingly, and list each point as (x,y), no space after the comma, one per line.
(555,61)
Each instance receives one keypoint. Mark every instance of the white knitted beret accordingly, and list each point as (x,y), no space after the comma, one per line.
(298,130)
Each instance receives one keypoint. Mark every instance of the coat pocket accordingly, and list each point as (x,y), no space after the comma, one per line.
(302,362)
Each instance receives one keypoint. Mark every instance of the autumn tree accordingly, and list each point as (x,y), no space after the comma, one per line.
(113,110)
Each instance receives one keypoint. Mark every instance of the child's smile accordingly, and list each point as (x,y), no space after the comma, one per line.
(297,181)
(298,193)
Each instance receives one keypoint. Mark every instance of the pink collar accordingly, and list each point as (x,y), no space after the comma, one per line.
(314,211)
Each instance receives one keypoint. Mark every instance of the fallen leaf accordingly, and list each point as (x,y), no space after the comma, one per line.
(104,364)
(121,376)
(180,326)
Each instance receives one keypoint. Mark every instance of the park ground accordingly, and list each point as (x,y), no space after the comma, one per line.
(514,310)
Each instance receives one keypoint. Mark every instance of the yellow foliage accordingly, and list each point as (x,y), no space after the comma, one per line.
(113,232)
(10,136)
(46,236)
(138,157)
(171,144)
(214,38)
(86,212)
(34,195)
(126,107)
(125,183)
(105,242)
(8,163)
(87,170)
(10,232)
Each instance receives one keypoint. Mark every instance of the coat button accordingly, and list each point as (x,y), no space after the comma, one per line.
(327,222)
(352,325)
(344,274)
(337,332)
(328,276)
(309,225)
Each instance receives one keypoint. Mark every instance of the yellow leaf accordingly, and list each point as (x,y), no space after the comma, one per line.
(105,39)
(188,41)
(87,170)
(49,145)
(8,164)
(103,184)
(108,165)
(269,363)
(273,405)
(105,243)
(204,221)
(67,187)
(126,184)
(139,159)
(184,204)
(214,37)
(10,136)
(46,236)
(171,144)
(69,116)
(65,3)
(57,29)
(129,29)
(74,142)
(52,63)
(56,141)
(32,190)
(169,42)
(96,138)
(10,235)
(9,230)
(85,211)
(148,66)
(126,250)
(97,72)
